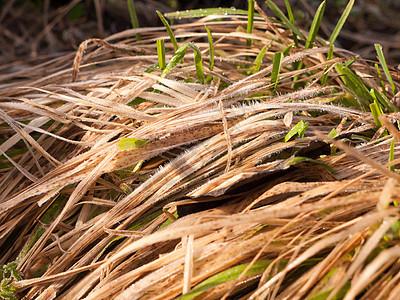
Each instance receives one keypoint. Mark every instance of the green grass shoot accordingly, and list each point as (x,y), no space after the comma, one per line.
(376,112)
(250,20)
(211,49)
(341,22)
(291,19)
(161,53)
(300,159)
(329,57)
(259,58)
(179,54)
(169,30)
(276,10)
(382,60)
(276,68)
(298,129)
(133,16)
(315,25)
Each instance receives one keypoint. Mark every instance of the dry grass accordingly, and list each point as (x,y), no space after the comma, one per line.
(85,220)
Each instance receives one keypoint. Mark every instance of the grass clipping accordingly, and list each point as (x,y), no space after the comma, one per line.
(270,180)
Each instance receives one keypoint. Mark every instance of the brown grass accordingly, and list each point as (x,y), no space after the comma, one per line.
(82,218)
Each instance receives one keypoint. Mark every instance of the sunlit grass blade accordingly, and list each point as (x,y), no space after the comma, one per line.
(286,51)
(341,22)
(161,54)
(283,18)
(382,60)
(169,30)
(178,56)
(199,13)
(259,58)
(250,20)
(133,16)
(198,62)
(315,25)
(383,101)
(298,129)
(291,19)
(276,67)
(355,84)
(211,51)
(376,112)
(131,143)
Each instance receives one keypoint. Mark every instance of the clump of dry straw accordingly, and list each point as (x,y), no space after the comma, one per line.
(213,202)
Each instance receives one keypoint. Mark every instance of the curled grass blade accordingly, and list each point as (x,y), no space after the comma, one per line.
(298,129)
(341,22)
(198,62)
(211,51)
(382,60)
(169,30)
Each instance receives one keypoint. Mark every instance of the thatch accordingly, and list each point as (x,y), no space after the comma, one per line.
(86,220)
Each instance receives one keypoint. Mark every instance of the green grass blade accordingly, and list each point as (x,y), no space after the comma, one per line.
(259,59)
(286,51)
(199,13)
(178,56)
(315,25)
(275,9)
(383,101)
(354,83)
(169,30)
(133,16)
(161,54)
(298,129)
(341,22)
(131,143)
(276,67)
(300,159)
(376,112)
(382,60)
(211,45)
(250,20)
(198,62)
(391,155)
(228,275)
(291,19)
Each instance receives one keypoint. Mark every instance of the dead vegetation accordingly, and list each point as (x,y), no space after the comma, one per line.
(215,204)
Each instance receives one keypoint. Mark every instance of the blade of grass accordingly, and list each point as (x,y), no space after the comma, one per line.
(300,159)
(275,9)
(291,19)
(376,112)
(133,16)
(298,129)
(315,25)
(382,60)
(276,68)
(198,62)
(383,101)
(161,54)
(178,56)
(259,59)
(211,51)
(329,57)
(250,20)
(169,30)
(341,22)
